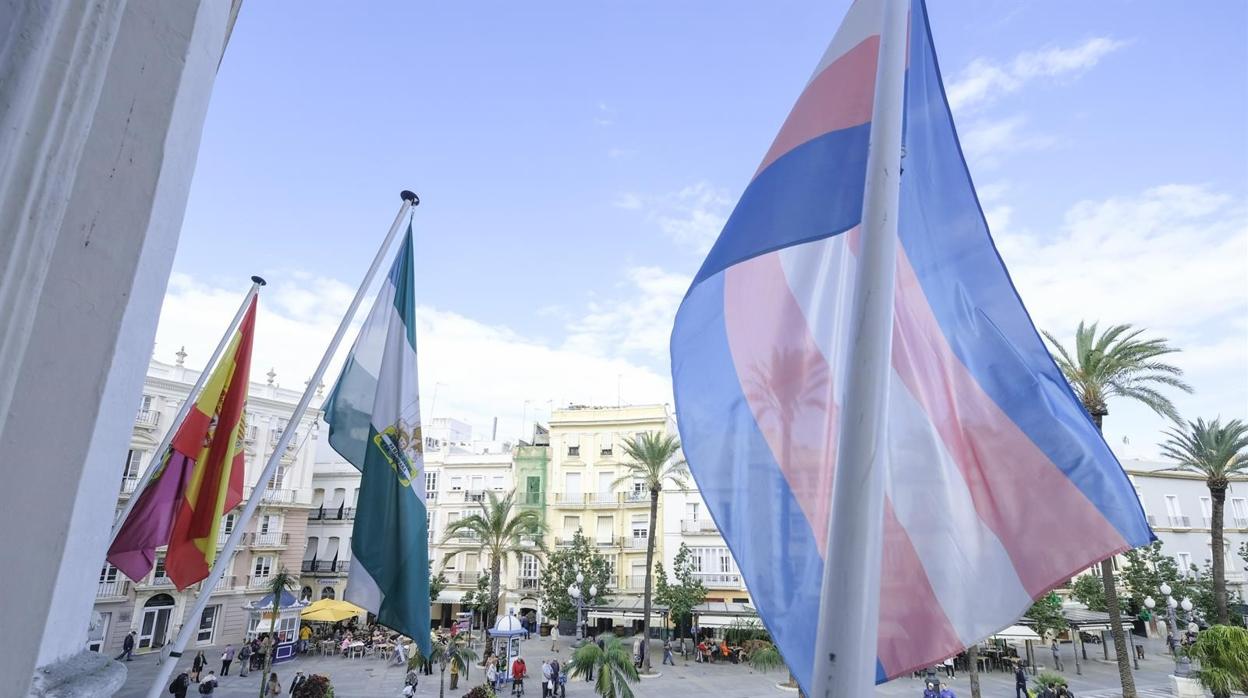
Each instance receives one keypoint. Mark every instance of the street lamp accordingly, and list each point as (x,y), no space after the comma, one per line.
(1172,623)
(574,590)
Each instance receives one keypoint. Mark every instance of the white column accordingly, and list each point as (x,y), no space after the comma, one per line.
(102,106)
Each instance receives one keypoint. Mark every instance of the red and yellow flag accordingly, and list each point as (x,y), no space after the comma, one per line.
(212,435)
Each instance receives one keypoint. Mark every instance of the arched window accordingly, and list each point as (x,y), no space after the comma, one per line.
(327,593)
(306,594)
(158,601)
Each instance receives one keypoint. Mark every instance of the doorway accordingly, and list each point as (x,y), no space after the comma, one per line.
(154,631)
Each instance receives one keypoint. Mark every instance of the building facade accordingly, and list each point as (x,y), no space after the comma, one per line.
(274,538)
(1179,509)
(586,459)
(686,520)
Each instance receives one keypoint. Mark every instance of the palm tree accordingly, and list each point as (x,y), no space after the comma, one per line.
(613,664)
(1118,363)
(445,652)
(655,462)
(1216,451)
(278,584)
(972,668)
(1223,655)
(500,532)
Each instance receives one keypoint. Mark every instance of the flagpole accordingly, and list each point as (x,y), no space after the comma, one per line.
(159,453)
(191,622)
(849,608)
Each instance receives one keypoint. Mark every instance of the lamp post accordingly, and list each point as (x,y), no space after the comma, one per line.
(574,590)
(1180,663)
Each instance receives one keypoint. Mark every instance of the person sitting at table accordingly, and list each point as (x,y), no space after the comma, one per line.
(723,650)
(703,653)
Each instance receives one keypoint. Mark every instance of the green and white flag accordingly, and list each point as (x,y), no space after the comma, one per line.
(374,422)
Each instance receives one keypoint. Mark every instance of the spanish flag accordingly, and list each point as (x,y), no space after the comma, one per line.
(201,477)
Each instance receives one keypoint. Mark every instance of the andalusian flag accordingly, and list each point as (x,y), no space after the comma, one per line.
(200,479)
(374,422)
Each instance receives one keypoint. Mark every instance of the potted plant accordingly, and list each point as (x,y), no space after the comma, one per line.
(1222,652)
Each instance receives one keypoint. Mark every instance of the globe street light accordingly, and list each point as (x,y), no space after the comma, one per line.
(574,590)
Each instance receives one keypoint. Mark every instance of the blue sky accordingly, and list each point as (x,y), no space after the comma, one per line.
(575,160)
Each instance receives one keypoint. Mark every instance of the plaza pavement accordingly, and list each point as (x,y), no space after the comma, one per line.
(367,677)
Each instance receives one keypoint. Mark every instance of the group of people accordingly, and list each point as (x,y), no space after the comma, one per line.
(711,651)
(208,684)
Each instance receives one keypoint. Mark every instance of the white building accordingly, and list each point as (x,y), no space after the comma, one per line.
(686,520)
(274,539)
(1180,511)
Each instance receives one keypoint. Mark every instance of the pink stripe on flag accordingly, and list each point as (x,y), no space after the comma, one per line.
(786,381)
(1015,487)
(151,520)
(839,97)
(914,630)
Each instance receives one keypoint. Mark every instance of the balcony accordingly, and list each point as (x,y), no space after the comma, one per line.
(472,496)
(117,588)
(569,499)
(250,434)
(713,580)
(698,526)
(533,499)
(271,539)
(147,419)
(1240,522)
(259,581)
(530,539)
(272,495)
(530,584)
(634,542)
(129,484)
(160,581)
(467,578)
(431,495)
(604,498)
(1180,521)
(1152,520)
(607,541)
(339,566)
(227,583)
(635,582)
(637,498)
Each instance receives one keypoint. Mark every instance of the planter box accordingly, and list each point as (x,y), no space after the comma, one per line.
(1186,688)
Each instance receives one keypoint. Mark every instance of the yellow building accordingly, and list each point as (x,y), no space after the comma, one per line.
(586,457)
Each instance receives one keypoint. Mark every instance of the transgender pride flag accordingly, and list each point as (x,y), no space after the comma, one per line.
(998,487)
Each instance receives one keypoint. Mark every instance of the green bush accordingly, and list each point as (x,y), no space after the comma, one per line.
(316,686)
(1223,655)
(1044,678)
(482,691)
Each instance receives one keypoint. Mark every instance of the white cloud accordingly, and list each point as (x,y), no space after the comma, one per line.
(983,80)
(486,371)
(1172,259)
(692,217)
(986,142)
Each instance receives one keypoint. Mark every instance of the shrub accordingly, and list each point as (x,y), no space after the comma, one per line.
(482,691)
(1044,678)
(1223,655)
(316,686)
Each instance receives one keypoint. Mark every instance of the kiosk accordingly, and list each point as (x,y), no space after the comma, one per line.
(285,627)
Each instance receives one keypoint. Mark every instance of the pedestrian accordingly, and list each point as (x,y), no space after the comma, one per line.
(127,647)
(1020,682)
(556,677)
(305,633)
(554,640)
(208,685)
(545,678)
(932,689)
(1057,656)
(244,659)
(179,686)
(273,687)
(518,671)
(197,665)
(227,658)
(1063,692)
(296,682)
(950,669)
(667,652)
(454,675)
(491,675)
(1050,691)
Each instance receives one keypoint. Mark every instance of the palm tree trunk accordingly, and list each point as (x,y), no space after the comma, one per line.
(645,623)
(1218,494)
(972,669)
(1111,605)
(496,565)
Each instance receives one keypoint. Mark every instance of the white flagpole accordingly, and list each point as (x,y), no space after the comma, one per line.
(849,609)
(191,623)
(159,453)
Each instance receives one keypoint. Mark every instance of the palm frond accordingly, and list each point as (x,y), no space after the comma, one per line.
(1118,362)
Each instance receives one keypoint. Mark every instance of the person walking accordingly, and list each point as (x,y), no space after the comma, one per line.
(454,675)
(296,682)
(227,658)
(518,671)
(491,675)
(273,687)
(950,669)
(244,659)
(208,685)
(556,678)
(545,678)
(197,665)
(667,652)
(179,685)
(1020,682)
(1057,656)
(127,647)
(554,640)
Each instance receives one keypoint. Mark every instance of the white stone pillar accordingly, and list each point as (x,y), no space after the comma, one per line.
(102,104)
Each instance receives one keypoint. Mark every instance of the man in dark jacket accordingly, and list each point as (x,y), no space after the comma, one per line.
(180,685)
(1020,682)
(297,681)
(127,647)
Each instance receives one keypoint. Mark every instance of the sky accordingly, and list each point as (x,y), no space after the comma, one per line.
(576,160)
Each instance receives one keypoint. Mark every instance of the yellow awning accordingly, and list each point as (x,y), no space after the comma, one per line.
(331,611)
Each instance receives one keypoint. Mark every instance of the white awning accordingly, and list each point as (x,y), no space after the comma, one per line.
(1017,632)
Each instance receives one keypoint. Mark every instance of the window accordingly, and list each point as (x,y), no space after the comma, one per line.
(327,593)
(639,489)
(496,482)
(606,529)
(431,481)
(457,483)
(227,523)
(605,444)
(572,486)
(158,572)
(1172,506)
(108,574)
(641,525)
(528,567)
(262,567)
(355,500)
(1206,508)
(145,404)
(1239,512)
(533,490)
(470,562)
(207,624)
(318,498)
(691,511)
(1184,561)
(574,445)
(570,526)
(134,459)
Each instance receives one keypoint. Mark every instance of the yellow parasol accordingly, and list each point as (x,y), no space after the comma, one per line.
(330,611)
